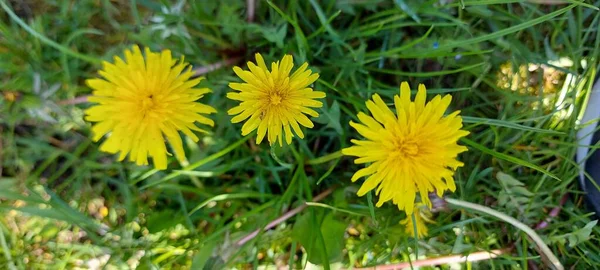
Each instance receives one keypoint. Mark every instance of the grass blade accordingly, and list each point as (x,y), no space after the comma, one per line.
(199,163)
(501,123)
(46,40)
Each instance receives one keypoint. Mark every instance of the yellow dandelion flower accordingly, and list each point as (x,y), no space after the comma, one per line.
(421,216)
(410,151)
(274,102)
(141,101)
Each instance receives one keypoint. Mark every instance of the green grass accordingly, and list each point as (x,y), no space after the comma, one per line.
(65,204)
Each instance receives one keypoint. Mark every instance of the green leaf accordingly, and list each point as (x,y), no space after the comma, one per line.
(577,236)
(323,19)
(331,117)
(158,221)
(508,180)
(333,234)
(303,46)
(273,34)
(146,264)
(513,195)
(202,257)
(214,263)
(339,198)
(321,236)
(582,234)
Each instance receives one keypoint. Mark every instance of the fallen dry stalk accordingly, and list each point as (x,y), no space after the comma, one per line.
(477,256)
(212,67)
(73,101)
(283,218)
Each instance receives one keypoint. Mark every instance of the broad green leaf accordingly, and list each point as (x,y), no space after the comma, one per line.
(582,234)
(576,237)
(331,117)
(201,258)
(513,195)
(274,34)
(333,233)
(321,236)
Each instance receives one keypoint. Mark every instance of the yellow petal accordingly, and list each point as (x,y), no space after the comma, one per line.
(420,99)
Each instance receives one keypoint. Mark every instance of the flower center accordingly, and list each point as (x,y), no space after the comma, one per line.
(406,147)
(275,99)
(409,149)
(148,104)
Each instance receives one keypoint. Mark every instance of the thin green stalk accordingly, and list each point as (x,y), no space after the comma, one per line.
(544,249)
(415,233)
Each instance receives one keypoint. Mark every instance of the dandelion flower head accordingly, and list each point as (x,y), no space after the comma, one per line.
(409,152)
(275,102)
(141,101)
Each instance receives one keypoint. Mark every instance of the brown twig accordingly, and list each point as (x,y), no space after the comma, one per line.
(250,8)
(283,218)
(212,67)
(73,101)
(477,256)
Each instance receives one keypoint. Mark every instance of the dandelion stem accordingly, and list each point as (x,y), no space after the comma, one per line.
(415,233)
(325,158)
(543,248)
(279,161)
